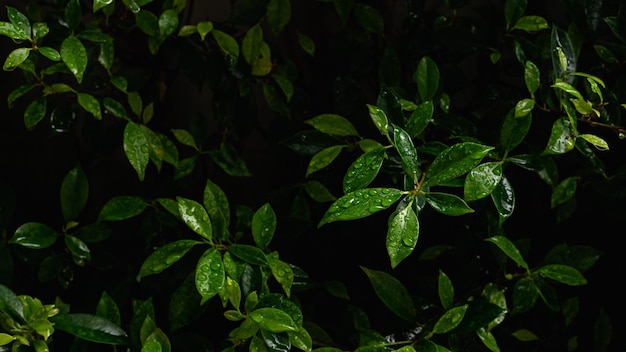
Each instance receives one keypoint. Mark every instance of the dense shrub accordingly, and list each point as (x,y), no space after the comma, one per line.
(182,175)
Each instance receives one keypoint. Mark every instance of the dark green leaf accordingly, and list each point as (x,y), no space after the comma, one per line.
(323,158)
(34,235)
(379,118)
(369,18)
(164,257)
(263,225)
(35,112)
(563,55)
(273,319)
(228,160)
(228,44)
(73,14)
(450,319)
(333,124)
(306,43)
(90,104)
(74,55)
(168,22)
(393,294)
(278,14)
(427,78)
(454,162)
(509,249)
(10,304)
(183,305)
(402,235)
(503,197)
(363,170)
(91,328)
(564,191)
(514,130)
(18,92)
(121,208)
(210,274)
(525,295)
(513,10)
(618,27)
(445,290)
(148,22)
(74,193)
(531,77)
(406,149)
(108,309)
(420,118)
(448,204)
(99,4)
(360,203)
(249,254)
(79,249)
(216,204)
(282,272)
(136,148)
(563,273)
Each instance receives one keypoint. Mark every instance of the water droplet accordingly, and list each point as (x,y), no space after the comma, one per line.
(205,268)
(357,165)
(216,266)
(171,259)
(201,277)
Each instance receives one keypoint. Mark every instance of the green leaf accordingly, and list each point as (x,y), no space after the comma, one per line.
(183,304)
(196,217)
(122,208)
(148,22)
(563,54)
(306,43)
(402,235)
(564,191)
(420,118)
(11,305)
(567,88)
(228,160)
(448,204)
(216,204)
(284,84)
(531,24)
(273,320)
(263,225)
(18,92)
(454,162)
(525,295)
(15,58)
(513,10)
(13,31)
(168,22)
(514,129)
(108,309)
(116,109)
(363,170)
(427,78)
(90,104)
(333,124)
(34,235)
(249,254)
(323,158)
(509,249)
(482,180)
(204,28)
(228,44)
(360,203)
(406,150)
(99,4)
(503,197)
(136,148)
(91,328)
(564,274)
(524,107)
(164,257)
(531,77)
(120,83)
(301,339)
(210,274)
(185,137)
(450,319)
(74,193)
(379,118)
(135,102)
(79,249)
(74,55)
(524,335)
(369,18)
(278,14)
(392,293)
(445,290)
(20,20)
(596,141)
(282,272)
(318,192)
(6,339)
(35,112)
(562,137)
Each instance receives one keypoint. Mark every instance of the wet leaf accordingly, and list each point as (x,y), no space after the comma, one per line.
(525,295)
(35,112)
(122,208)
(34,235)
(448,204)
(196,217)
(392,293)
(379,118)
(564,191)
(99,4)
(406,149)
(450,319)
(249,254)
(531,24)
(168,22)
(91,328)
(402,235)
(420,118)
(562,137)
(333,124)
(263,225)
(20,20)
(74,193)
(482,180)
(503,197)
(10,304)
(427,78)
(454,162)
(323,158)
(273,319)
(79,249)
(278,14)
(74,55)
(164,257)
(564,274)
(108,309)
(210,274)
(509,249)
(216,203)
(301,339)
(360,203)
(15,58)
(282,272)
(563,55)
(363,170)
(136,148)
(90,104)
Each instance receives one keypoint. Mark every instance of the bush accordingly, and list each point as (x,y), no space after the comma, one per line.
(316,175)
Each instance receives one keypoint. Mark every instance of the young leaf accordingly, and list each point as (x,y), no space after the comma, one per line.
(273,319)
(164,257)
(196,217)
(454,162)
(564,274)
(393,294)
(448,204)
(74,193)
(509,249)
(450,319)
(74,55)
(263,225)
(402,235)
(34,235)
(482,180)
(210,274)
(360,203)
(333,124)
(323,158)
(531,24)
(204,28)
(596,141)
(91,328)
(136,148)
(363,170)
(121,208)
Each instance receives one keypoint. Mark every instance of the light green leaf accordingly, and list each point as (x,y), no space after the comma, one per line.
(454,162)
(509,249)
(228,44)
(402,235)
(282,272)
(196,217)
(450,319)
(531,24)
(392,293)
(122,208)
(185,137)
(360,203)
(562,138)
(524,107)
(164,257)
(482,180)
(210,274)
(15,58)
(333,124)
(263,225)
(90,104)
(379,118)
(273,319)
(34,235)
(596,141)
(323,158)
(74,55)
(204,28)
(136,148)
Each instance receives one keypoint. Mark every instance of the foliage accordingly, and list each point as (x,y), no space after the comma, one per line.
(432,126)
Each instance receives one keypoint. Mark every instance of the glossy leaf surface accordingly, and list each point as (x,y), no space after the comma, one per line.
(263,225)
(360,203)
(273,319)
(210,274)
(482,180)
(509,249)
(91,328)
(448,204)
(450,319)
(74,55)
(34,235)
(402,235)
(249,254)
(164,257)
(455,161)
(323,158)
(196,217)
(333,124)
(363,170)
